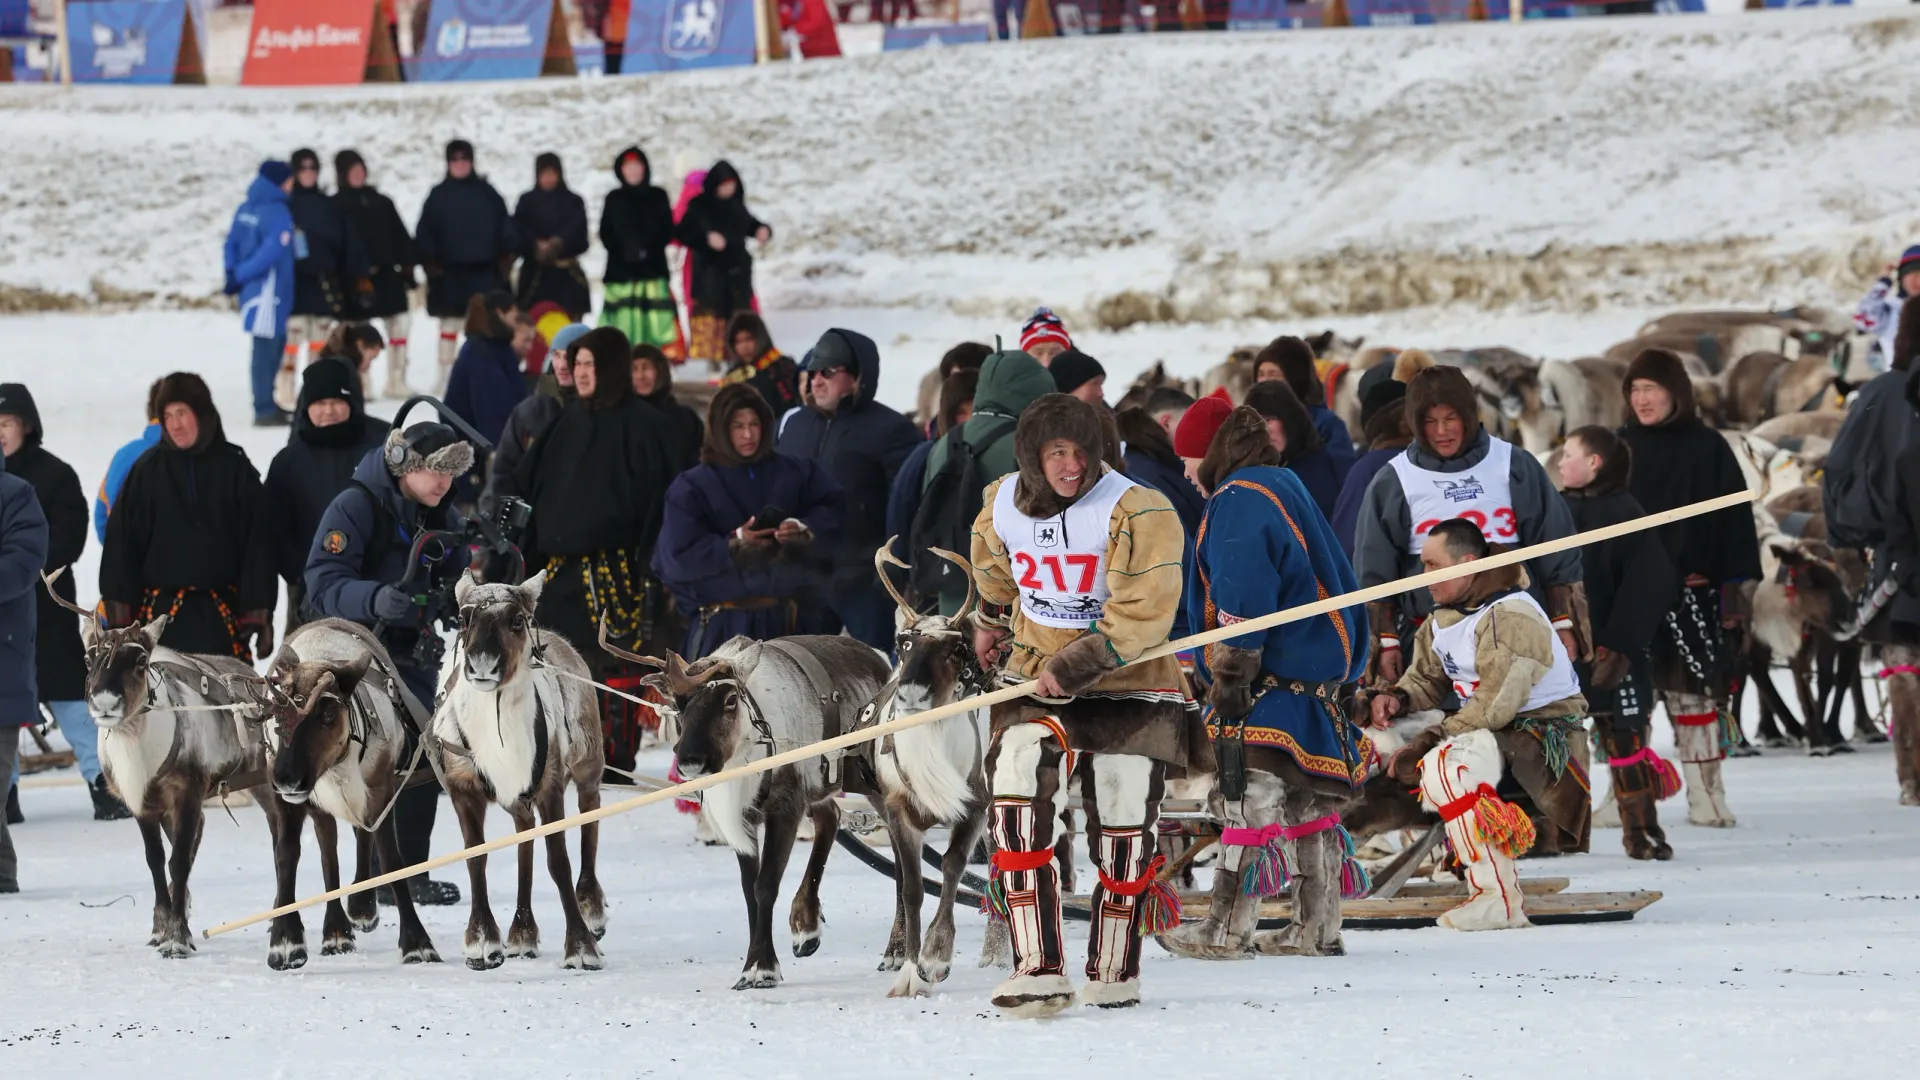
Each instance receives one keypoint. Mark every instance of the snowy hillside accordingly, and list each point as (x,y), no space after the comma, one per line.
(1593,163)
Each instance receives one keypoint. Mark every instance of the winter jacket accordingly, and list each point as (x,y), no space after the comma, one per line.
(1684,462)
(1353,491)
(1335,439)
(528,421)
(1630,581)
(636,225)
(775,375)
(316,465)
(328,256)
(1009,382)
(259,260)
(598,479)
(389,254)
(1167,474)
(1513,651)
(904,497)
(722,280)
(1321,473)
(1857,487)
(463,237)
(486,384)
(684,432)
(342,576)
(117,469)
(23,554)
(561,214)
(697,559)
(861,446)
(1879,314)
(61,659)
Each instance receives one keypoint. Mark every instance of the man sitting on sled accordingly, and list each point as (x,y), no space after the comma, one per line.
(1518,731)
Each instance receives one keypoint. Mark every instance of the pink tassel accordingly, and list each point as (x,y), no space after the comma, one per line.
(685,806)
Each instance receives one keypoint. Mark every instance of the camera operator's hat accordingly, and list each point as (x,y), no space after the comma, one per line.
(428,445)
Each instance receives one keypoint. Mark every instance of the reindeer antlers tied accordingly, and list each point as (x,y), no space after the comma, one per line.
(49,579)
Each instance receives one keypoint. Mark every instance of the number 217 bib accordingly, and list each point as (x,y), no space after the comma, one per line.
(1060,563)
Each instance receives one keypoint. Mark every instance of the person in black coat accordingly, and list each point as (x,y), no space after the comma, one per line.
(329,259)
(636,225)
(551,221)
(390,261)
(23,553)
(190,537)
(715,230)
(465,241)
(862,444)
(331,433)
(1630,587)
(531,418)
(60,660)
(653,384)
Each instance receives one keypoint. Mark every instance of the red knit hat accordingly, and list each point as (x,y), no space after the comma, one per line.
(1044,325)
(1199,425)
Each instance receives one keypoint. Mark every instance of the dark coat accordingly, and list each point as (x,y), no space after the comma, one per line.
(62,664)
(1630,581)
(23,553)
(636,225)
(1353,491)
(486,383)
(685,430)
(599,478)
(1685,462)
(463,237)
(862,446)
(1335,437)
(695,559)
(904,497)
(316,465)
(558,213)
(529,421)
(1165,473)
(1321,473)
(722,280)
(390,257)
(334,255)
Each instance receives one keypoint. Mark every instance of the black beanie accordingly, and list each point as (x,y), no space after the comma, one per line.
(459,148)
(1384,394)
(329,377)
(1073,369)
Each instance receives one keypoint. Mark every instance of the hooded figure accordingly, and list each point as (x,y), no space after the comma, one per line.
(761,366)
(861,444)
(315,466)
(1383,419)
(23,553)
(636,225)
(1091,578)
(730,573)
(1453,469)
(715,230)
(190,535)
(330,259)
(466,241)
(259,264)
(532,417)
(1305,454)
(685,432)
(384,239)
(551,222)
(1297,368)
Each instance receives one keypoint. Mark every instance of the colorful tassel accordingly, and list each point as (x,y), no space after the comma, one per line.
(993,903)
(1159,909)
(1665,775)
(1270,873)
(1503,825)
(1355,882)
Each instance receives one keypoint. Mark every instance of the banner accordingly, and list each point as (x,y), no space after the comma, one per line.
(494,39)
(1272,15)
(13,18)
(1808,3)
(674,35)
(1498,11)
(318,43)
(1407,12)
(134,41)
(898,38)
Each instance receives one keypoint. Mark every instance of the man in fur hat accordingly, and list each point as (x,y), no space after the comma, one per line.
(1287,760)
(1717,556)
(1084,564)
(1457,469)
(1521,718)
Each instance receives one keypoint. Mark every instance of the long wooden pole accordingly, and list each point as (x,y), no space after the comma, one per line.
(62,42)
(1009,693)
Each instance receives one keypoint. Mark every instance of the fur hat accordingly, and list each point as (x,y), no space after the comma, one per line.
(1381,395)
(1050,417)
(1667,369)
(1073,369)
(1043,325)
(1240,442)
(717,447)
(1409,363)
(1295,361)
(1199,423)
(1442,385)
(186,388)
(428,445)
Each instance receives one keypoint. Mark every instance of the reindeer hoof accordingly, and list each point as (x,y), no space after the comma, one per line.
(422,954)
(177,948)
(935,971)
(891,962)
(287,955)
(484,955)
(366,924)
(338,945)
(910,984)
(583,957)
(758,979)
(806,944)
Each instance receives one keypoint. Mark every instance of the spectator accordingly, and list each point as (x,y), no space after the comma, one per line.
(954,407)
(463,239)
(753,360)
(730,573)
(331,434)
(190,537)
(1383,420)
(652,375)
(635,227)
(551,221)
(861,444)
(715,230)
(1165,405)
(1294,358)
(1080,375)
(531,418)
(356,345)
(1044,336)
(1879,311)
(381,292)
(259,261)
(1293,434)
(328,260)
(1151,461)
(122,461)
(60,658)
(487,381)
(967,354)
(23,552)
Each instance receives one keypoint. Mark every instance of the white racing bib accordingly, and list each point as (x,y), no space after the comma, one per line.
(1455,647)
(1060,563)
(1482,495)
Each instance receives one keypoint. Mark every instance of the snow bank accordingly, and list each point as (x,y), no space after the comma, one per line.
(1190,178)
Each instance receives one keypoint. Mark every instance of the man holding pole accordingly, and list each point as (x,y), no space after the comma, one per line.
(1085,566)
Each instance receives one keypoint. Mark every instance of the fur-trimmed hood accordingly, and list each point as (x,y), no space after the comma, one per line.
(717,448)
(191,390)
(1241,441)
(1442,385)
(1054,416)
(1665,368)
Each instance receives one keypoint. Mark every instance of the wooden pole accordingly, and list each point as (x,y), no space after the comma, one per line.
(1009,693)
(61,43)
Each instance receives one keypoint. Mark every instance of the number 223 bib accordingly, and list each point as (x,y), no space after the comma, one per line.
(1482,495)
(1060,563)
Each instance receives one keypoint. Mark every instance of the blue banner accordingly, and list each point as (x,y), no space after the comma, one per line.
(485,39)
(126,41)
(13,18)
(1272,15)
(1407,12)
(897,38)
(1808,3)
(673,35)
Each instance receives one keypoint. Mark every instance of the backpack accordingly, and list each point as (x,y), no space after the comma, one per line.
(948,507)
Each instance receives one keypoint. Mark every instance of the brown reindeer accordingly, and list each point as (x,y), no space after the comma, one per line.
(1153,379)
(1760,386)
(517,723)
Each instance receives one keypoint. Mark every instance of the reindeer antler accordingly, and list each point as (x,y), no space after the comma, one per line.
(884,557)
(966,571)
(631,658)
(49,579)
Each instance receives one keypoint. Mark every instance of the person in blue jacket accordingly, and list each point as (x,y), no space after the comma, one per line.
(259,257)
(731,574)
(1298,441)
(122,463)
(488,379)
(1294,358)
(1288,757)
(354,569)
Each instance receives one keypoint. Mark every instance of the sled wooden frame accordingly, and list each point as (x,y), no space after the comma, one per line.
(1000,696)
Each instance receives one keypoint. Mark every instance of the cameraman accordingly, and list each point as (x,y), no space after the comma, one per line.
(359,556)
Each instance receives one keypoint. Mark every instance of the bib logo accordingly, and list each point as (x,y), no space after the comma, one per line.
(692,29)
(1464,490)
(1046,534)
(452,40)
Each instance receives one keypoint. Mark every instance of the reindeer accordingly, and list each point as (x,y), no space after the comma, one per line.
(501,666)
(751,699)
(929,776)
(172,734)
(1153,379)
(344,731)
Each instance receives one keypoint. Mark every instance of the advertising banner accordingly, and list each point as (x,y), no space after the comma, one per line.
(134,41)
(13,18)
(676,35)
(1272,15)
(318,43)
(897,38)
(494,39)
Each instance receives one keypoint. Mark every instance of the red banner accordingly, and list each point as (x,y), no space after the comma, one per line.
(317,43)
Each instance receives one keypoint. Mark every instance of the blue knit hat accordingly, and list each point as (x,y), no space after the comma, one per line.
(1909,261)
(275,172)
(567,335)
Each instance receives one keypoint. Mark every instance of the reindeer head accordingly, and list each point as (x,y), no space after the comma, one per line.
(709,703)
(496,629)
(117,668)
(311,729)
(1814,587)
(937,664)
